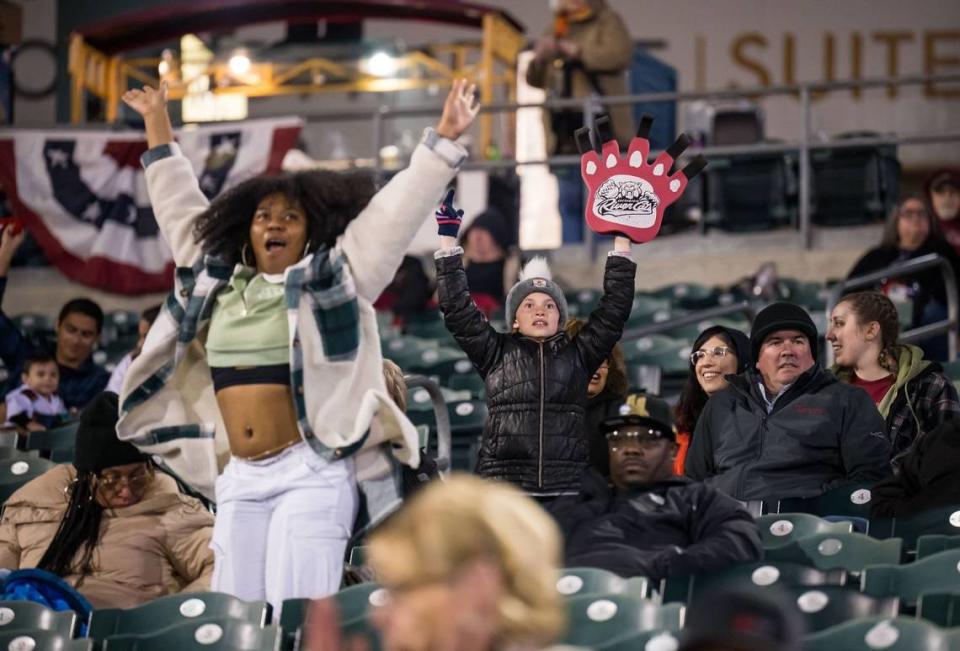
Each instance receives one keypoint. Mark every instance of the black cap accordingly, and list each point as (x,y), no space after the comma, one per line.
(97,444)
(742,617)
(643,409)
(740,342)
(782,316)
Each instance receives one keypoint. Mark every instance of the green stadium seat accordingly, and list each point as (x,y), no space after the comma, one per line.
(669,354)
(644,641)
(581,302)
(353,603)
(829,605)
(404,350)
(28,323)
(943,521)
(578,581)
(934,544)
(15,471)
(599,619)
(60,438)
(471,382)
(439,362)
(32,616)
(360,633)
(811,295)
(940,608)
(937,573)
(435,330)
(762,574)
(41,640)
(838,551)
(853,500)
(890,634)
(684,294)
(777,530)
(210,635)
(9,439)
(172,610)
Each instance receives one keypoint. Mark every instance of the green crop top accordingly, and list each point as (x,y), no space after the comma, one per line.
(249,323)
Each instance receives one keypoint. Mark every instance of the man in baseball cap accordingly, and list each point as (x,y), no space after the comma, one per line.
(645,521)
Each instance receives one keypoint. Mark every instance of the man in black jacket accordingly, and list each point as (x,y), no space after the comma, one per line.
(650,522)
(787,428)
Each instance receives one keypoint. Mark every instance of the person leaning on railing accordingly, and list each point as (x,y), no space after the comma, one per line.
(912,231)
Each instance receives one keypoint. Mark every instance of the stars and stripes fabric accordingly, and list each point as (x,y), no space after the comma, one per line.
(83,196)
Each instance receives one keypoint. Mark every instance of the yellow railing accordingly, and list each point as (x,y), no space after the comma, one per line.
(491,63)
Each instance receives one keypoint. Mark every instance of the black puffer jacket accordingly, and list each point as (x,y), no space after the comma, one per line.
(669,528)
(822,433)
(536,391)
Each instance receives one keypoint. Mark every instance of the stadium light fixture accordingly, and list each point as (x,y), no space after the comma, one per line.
(381,64)
(239,64)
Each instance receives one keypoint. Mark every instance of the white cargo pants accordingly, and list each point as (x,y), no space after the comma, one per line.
(282,526)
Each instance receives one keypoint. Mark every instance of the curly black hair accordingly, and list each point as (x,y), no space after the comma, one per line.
(331,200)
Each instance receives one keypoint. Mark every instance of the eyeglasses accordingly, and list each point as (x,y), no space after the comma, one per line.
(718,351)
(617,440)
(135,481)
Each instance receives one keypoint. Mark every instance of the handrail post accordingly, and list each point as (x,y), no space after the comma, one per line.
(952,323)
(806,233)
(444,436)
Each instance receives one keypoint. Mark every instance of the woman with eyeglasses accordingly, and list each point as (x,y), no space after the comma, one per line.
(112,527)
(912,231)
(717,352)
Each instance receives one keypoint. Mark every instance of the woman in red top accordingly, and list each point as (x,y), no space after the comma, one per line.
(717,352)
(912,394)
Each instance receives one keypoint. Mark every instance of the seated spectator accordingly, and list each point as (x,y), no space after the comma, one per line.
(742,617)
(787,428)
(912,394)
(651,522)
(143,327)
(35,405)
(109,524)
(943,193)
(471,565)
(492,265)
(912,231)
(717,352)
(605,394)
(929,476)
(78,329)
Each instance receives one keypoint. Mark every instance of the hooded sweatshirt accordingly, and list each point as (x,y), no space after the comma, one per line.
(921,398)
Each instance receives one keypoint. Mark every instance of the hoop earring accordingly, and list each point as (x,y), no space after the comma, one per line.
(243,255)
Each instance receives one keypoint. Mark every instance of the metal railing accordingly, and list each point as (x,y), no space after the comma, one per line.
(900,269)
(802,146)
(444,436)
(743,307)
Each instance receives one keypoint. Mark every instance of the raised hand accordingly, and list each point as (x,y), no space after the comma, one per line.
(459,110)
(11,238)
(148,101)
(448,218)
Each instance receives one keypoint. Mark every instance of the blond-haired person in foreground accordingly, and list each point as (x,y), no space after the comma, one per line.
(469,565)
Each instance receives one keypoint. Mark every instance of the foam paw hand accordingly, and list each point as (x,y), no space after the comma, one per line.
(627,195)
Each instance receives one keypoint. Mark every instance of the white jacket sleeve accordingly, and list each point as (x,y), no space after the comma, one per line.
(376,241)
(176,200)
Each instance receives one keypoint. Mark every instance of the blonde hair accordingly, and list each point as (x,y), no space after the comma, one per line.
(447,525)
(396,385)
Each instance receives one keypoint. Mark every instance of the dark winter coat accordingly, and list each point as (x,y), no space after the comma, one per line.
(670,528)
(822,433)
(600,408)
(929,476)
(536,390)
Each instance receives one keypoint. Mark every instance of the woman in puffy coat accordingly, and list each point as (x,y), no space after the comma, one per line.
(536,376)
(109,525)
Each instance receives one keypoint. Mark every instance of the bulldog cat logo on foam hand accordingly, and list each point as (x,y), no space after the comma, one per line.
(628,195)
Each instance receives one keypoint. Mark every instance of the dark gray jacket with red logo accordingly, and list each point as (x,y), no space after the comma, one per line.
(536,390)
(822,433)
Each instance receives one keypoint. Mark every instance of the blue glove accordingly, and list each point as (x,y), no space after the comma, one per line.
(448,219)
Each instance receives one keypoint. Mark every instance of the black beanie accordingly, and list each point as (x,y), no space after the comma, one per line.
(97,444)
(739,341)
(782,316)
